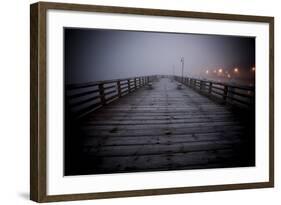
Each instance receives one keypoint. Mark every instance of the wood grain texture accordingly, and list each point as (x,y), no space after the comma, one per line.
(38,103)
(164,128)
(34,139)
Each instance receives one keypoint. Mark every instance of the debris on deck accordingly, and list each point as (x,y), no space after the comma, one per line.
(179,86)
(149,85)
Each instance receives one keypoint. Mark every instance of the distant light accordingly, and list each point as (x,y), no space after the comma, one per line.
(220,70)
(236,70)
(228,75)
(207,72)
(253,68)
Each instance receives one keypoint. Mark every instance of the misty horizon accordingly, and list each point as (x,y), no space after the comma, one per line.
(100,54)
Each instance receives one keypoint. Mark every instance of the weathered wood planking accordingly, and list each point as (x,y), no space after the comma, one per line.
(166,128)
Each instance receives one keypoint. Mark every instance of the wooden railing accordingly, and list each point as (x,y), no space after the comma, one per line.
(232,94)
(83,98)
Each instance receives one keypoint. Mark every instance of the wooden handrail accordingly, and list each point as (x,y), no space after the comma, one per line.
(228,93)
(83,98)
(74,86)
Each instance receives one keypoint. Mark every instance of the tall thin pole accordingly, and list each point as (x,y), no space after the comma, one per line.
(182,67)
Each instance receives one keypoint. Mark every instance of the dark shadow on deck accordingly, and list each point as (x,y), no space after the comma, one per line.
(160,129)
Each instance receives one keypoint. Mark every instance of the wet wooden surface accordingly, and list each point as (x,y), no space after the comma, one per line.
(165,128)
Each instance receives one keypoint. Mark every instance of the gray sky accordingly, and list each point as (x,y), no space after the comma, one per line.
(92,54)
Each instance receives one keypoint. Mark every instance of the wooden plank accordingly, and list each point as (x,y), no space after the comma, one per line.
(172,161)
(156,149)
(81,94)
(115,131)
(84,101)
(131,122)
(166,124)
(109,87)
(164,129)
(156,116)
(160,139)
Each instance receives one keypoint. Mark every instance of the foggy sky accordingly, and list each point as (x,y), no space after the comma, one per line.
(93,54)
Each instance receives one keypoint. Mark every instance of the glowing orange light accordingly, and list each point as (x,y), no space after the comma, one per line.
(220,70)
(236,70)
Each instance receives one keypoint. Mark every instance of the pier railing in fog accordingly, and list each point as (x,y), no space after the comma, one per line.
(83,98)
(233,94)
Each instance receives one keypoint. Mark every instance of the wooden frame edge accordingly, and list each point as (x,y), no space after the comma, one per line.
(34,188)
(271,100)
(153,12)
(38,113)
(37,102)
(155,192)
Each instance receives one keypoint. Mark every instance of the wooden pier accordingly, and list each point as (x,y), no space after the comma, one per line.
(161,127)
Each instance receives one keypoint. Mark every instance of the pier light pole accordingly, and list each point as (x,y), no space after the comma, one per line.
(182,67)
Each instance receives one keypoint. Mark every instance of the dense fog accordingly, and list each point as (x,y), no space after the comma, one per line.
(98,54)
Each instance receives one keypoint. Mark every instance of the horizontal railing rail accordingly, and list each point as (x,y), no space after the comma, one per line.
(228,93)
(83,98)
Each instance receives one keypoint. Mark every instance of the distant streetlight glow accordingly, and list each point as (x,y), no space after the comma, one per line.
(228,75)
(220,70)
(253,68)
(207,72)
(236,70)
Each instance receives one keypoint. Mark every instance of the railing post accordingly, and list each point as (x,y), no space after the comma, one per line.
(252,99)
(200,85)
(119,88)
(210,87)
(230,93)
(225,92)
(129,85)
(102,97)
(135,82)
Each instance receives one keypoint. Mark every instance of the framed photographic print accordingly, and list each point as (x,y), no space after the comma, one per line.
(134,102)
